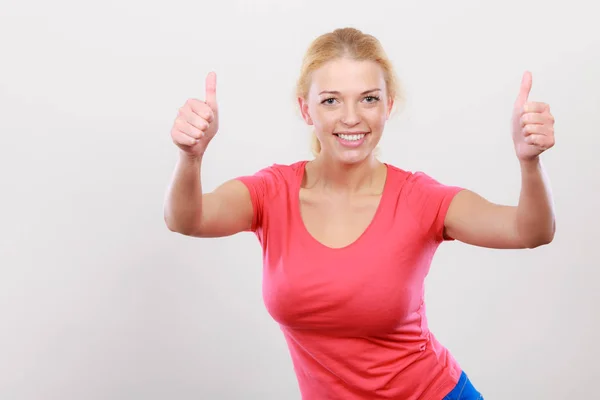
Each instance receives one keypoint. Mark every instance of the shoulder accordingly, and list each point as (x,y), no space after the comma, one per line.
(426,199)
(420,187)
(411,179)
(273,178)
(279,173)
(270,189)
(284,171)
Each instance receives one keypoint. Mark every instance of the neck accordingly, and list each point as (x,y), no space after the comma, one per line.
(344,178)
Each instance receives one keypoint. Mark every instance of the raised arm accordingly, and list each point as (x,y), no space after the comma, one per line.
(223,212)
(187,210)
(474,220)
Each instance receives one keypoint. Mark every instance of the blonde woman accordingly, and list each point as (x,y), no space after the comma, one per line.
(348,240)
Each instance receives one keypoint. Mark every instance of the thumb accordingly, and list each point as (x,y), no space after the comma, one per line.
(526,83)
(211,90)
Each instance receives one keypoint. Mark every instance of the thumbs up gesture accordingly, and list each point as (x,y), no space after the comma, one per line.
(532,123)
(197,121)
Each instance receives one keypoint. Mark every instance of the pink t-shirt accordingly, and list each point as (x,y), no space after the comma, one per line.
(354,318)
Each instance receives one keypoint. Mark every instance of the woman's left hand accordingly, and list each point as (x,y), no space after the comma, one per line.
(532,123)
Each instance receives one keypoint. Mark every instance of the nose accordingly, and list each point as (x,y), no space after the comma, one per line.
(350,116)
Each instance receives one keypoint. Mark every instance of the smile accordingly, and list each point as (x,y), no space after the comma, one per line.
(351,137)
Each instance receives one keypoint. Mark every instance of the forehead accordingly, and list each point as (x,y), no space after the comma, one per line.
(347,75)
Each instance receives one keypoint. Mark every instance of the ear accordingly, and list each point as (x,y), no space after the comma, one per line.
(304,110)
(390,107)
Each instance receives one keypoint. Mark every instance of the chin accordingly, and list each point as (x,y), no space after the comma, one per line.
(349,155)
(353,156)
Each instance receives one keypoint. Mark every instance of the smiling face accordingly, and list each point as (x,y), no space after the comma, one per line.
(348,104)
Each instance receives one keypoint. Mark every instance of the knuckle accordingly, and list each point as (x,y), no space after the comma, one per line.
(181,124)
(192,104)
(177,138)
(204,110)
(199,124)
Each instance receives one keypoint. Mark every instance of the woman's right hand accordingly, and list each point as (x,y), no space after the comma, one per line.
(197,121)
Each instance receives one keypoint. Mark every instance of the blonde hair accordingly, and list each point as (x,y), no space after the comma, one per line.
(344,43)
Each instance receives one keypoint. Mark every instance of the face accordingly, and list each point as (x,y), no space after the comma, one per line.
(348,106)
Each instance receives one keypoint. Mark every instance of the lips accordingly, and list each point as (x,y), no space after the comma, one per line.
(350,133)
(351,136)
(351,139)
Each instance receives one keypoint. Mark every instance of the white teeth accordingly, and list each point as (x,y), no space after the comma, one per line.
(351,137)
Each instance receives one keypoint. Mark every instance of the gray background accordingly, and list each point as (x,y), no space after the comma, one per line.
(98,300)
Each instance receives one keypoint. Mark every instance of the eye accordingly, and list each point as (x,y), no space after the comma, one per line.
(328,101)
(372,99)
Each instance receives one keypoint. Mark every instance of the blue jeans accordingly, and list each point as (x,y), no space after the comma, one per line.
(464,390)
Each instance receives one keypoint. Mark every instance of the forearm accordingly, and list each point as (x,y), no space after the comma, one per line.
(535,212)
(183,203)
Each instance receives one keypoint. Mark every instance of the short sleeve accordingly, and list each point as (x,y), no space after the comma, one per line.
(430,201)
(261,186)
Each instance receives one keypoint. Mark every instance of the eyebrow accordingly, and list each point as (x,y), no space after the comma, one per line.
(336,92)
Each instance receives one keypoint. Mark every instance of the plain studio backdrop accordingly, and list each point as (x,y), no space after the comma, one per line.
(99,300)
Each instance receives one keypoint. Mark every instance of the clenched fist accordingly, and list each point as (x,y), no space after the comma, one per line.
(197,121)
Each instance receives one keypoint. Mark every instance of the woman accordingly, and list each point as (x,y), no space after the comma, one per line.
(348,240)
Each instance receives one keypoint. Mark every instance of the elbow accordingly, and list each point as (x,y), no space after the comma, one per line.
(182,229)
(172,225)
(540,239)
(538,242)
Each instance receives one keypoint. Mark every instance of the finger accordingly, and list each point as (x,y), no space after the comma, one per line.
(194,119)
(525,89)
(181,138)
(535,107)
(189,129)
(199,108)
(537,129)
(211,90)
(535,118)
(541,141)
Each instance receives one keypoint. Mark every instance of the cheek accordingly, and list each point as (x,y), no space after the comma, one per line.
(324,120)
(377,117)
